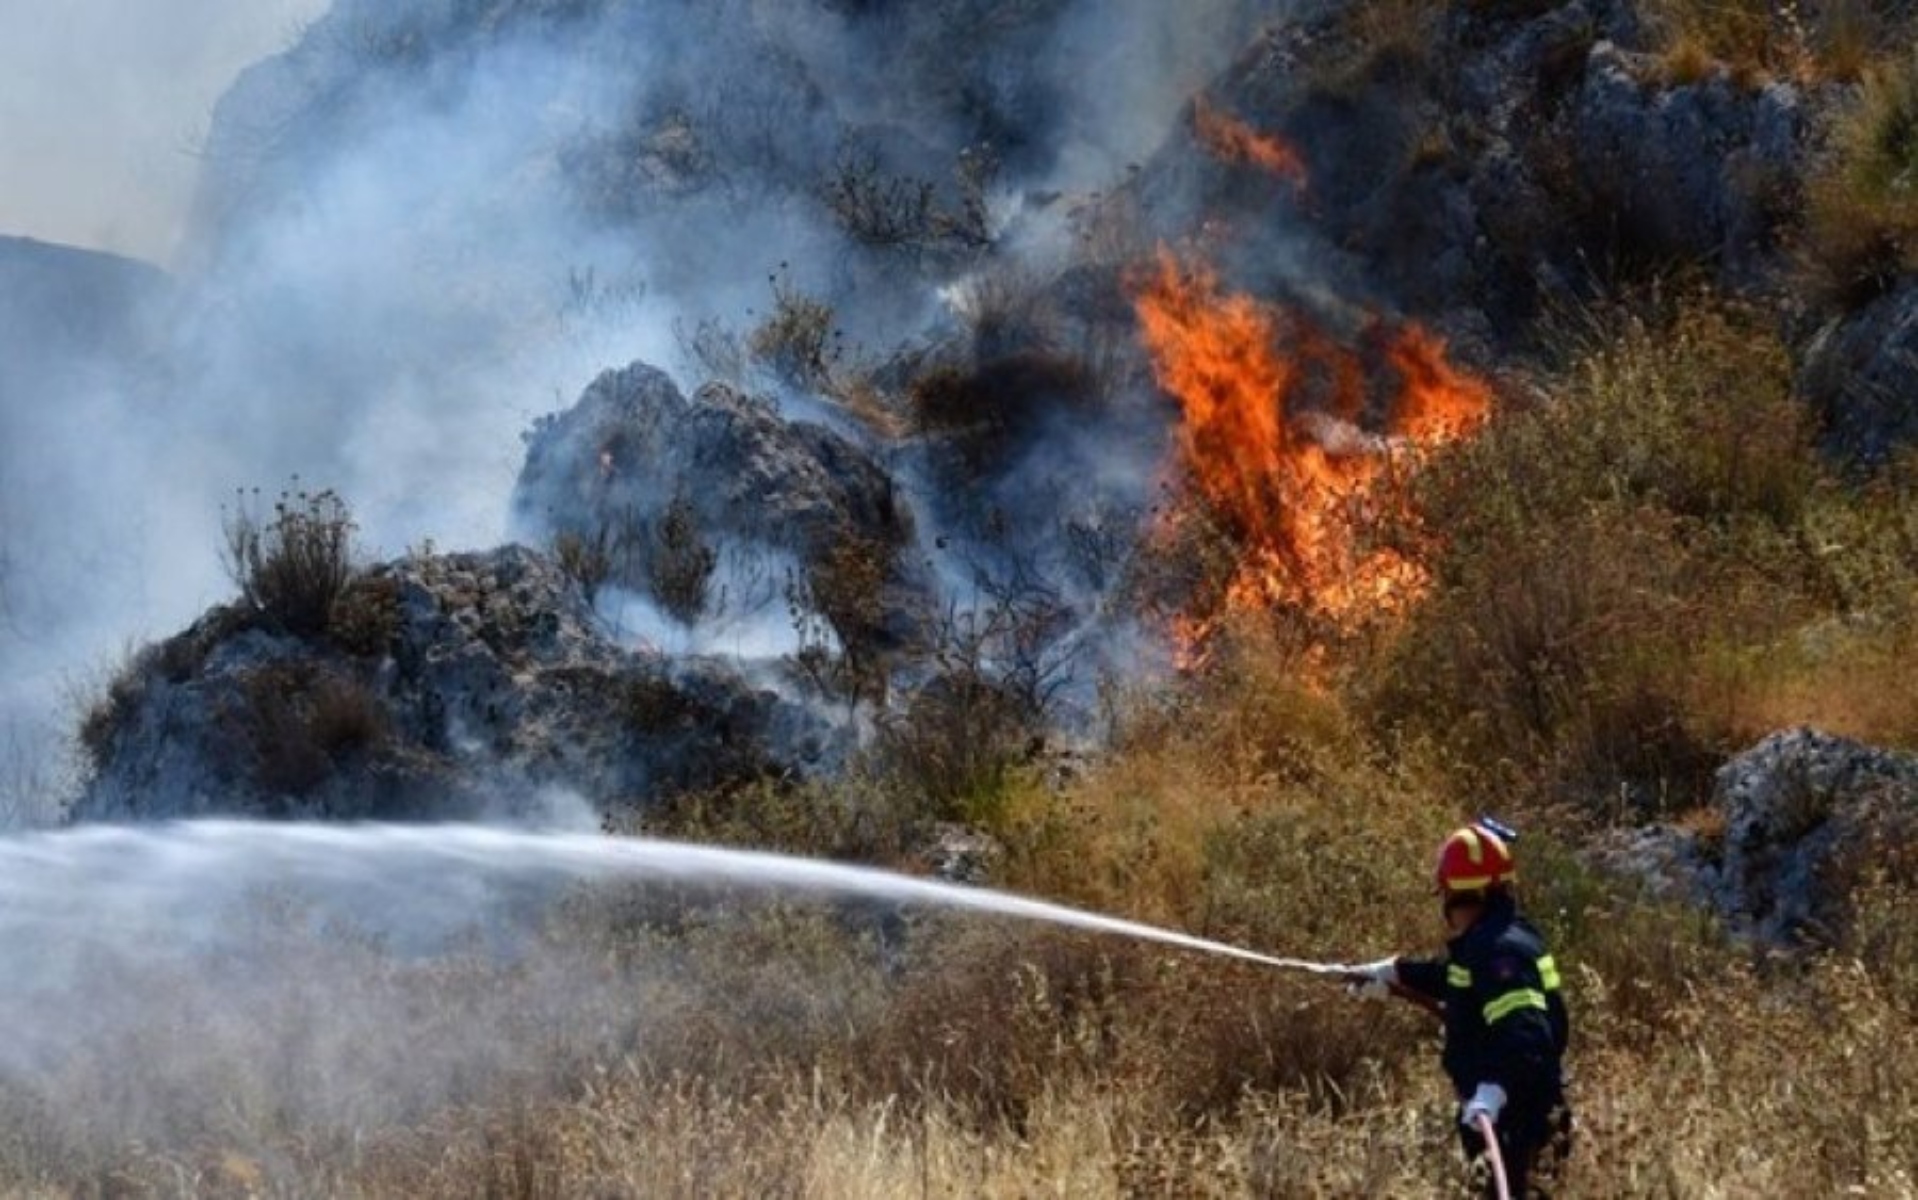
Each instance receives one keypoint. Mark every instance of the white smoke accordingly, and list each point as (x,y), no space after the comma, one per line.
(394,265)
(106,106)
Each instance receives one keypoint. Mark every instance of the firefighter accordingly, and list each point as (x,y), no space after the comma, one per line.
(1505,1020)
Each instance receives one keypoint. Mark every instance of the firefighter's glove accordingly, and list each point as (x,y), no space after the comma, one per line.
(1488,1099)
(1373,981)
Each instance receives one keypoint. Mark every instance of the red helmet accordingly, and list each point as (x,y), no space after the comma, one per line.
(1474,858)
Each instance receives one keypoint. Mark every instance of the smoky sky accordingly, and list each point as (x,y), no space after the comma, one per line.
(399,232)
(104,105)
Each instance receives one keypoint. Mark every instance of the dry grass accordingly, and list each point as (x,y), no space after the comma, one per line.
(693,1044)
(1701,1108)
(1754,41)
(1862,212)
(1627,579)
(1645,570)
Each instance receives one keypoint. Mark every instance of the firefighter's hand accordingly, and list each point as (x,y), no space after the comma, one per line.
(1488,1099)
(1373,981)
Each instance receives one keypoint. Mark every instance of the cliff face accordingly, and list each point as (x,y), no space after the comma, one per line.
(59,301)
(77,328)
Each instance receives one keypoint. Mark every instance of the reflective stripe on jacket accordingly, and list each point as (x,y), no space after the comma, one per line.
(1505,1015)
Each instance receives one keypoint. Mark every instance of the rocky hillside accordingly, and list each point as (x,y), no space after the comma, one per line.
(1172,459)
(1794,825)
(976,459)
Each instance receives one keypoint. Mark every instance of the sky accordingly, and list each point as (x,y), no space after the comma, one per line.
(104,102)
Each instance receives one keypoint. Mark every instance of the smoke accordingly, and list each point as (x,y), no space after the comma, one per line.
(421,225)
(1126,67)
(106,106)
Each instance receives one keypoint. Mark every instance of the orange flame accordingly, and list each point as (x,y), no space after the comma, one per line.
(1437,403)
(1271,440)
(1234,141)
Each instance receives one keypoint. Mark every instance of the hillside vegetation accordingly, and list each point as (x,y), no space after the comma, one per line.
(1606,621)
(1652,545)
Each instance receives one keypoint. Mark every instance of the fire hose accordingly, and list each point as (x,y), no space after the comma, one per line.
(1489,1132)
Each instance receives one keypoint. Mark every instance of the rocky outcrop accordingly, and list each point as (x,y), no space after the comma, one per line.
(1861,372)
(1705,170)
(457,685)
(1469,169)
(1797,820)
(633,447)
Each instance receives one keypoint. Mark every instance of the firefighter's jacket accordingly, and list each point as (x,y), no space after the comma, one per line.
(1505,1017)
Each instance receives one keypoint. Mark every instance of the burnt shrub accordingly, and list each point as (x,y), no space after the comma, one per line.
(992,673)
(679,562)
(838,610)
(885,210)
(365,618)
(796,342)
(292,725)
(293,562)
(652,704)
(985,410)
(173,661)
(106,716)
(956,743)
(586,558)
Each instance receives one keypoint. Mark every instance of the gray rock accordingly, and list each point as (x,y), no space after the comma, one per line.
(490,683)
(633,445)
(957,854)
(1803,813)
(1496,162)
(1671,863)
(1861,373)
(1697,169)
(1799,808)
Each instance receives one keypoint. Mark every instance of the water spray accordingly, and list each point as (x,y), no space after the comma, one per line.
(143,875)
(357,976)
